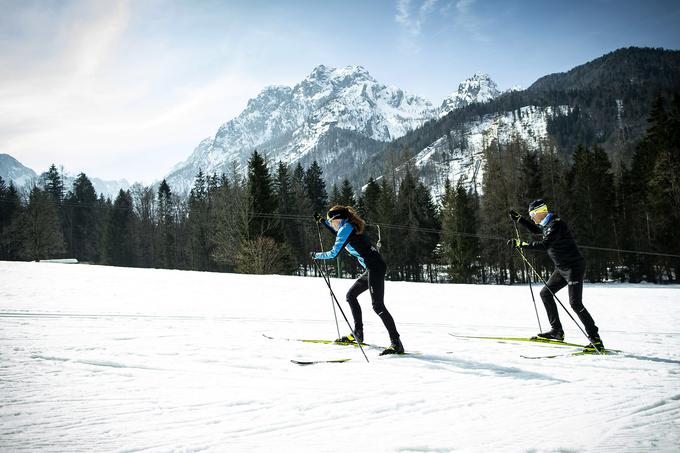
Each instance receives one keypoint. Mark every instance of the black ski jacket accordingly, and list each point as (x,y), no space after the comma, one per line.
(557,241)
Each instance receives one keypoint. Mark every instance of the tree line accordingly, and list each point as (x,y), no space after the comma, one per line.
(261,221)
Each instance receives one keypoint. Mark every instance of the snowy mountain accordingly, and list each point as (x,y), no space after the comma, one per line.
(323,117)
(459,153)
(477,89)
(13,170)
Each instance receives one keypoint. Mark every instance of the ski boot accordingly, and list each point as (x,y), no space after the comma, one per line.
(552,334)
(358,337)
(395,348)
(595,343)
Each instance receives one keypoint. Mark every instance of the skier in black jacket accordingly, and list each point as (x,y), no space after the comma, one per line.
(348,228)
(570,268)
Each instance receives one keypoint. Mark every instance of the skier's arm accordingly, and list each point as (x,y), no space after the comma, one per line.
(328,226)
(549,236)
(340,241)
(529,225)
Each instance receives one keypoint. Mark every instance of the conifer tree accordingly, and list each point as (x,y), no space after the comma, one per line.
(166,227)
(459,230)
(415,211)
(198,224)
(347,197)
(10,225)
(54,184)
(42,234)
(334,198)
(591,206)
(119,233)
(84,231)
(370,200)
(316,188)
(306,237)
(261,191)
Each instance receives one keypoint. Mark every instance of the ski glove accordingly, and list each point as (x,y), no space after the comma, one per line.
(514,215)
(516,243)
(312,255)
(318,218)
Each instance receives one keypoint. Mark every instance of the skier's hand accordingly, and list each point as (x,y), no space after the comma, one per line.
(516,243)
(312,255)
(318,218)
(514,215)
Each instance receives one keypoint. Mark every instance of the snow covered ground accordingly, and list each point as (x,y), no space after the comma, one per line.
(112,359)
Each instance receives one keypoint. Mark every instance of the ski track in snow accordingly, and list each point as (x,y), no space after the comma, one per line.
(128,360)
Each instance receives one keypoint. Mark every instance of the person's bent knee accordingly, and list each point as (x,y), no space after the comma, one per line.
(545,293)
(378,308)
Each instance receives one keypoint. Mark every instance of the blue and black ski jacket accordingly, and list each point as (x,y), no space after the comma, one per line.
(357,245)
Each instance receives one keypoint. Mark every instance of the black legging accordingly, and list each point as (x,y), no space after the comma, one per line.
(372,279)
(573,277)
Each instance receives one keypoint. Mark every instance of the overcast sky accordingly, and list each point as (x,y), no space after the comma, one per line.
(127,88)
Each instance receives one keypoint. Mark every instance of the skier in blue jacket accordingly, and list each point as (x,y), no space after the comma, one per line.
(348,228)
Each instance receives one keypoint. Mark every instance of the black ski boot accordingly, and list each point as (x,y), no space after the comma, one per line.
(552,334)
(395,348)
(595,343)
(352,338)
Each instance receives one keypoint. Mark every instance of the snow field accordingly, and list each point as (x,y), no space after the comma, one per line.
(97,358)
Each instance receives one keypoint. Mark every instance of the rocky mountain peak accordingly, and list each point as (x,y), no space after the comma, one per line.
(478,88)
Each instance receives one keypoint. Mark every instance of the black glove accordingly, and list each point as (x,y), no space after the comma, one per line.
(516,243)
(318,217)
(312,255)
(514,215)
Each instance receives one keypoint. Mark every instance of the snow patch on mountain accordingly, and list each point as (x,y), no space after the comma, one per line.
(459,154)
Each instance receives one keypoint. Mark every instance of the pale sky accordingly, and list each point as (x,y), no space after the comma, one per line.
(127,88)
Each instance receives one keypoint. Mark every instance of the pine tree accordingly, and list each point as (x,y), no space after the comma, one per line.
(335,196)
(316,188)
(83,234)
(416,212)
(370,200)
(42,234)
(261,191)
(306,236)
(531,178)
(347,197)
(198,224)
(663,186)
(54,184)
(166,228)
(10,228)
(591,206)
(119,232)
(459,231)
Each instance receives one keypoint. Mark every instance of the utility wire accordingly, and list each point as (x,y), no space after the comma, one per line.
(307,218)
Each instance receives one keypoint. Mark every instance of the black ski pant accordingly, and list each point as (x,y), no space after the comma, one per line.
(573,278)
(373,279)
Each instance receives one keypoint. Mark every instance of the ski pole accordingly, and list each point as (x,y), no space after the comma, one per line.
(335,314)
(560,302)
(335,299)
(526,271)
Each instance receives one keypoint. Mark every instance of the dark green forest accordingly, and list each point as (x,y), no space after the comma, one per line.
(625,216)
